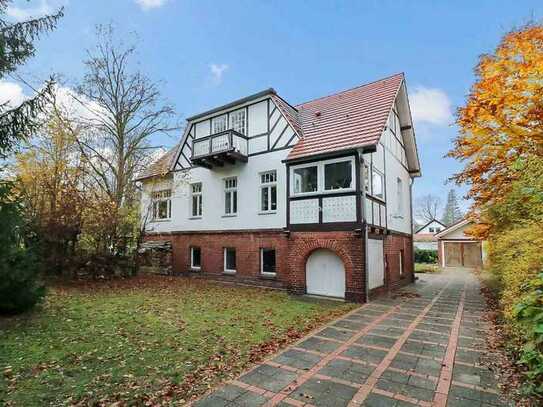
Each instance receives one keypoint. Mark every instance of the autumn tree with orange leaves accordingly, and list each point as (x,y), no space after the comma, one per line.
(501,144)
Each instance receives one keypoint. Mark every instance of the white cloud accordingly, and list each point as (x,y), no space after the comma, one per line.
(11,93)
(430,105)
(149,4)
(217,72)
(43,7)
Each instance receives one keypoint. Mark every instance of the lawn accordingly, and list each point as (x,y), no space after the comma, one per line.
(145,341)
(426,268)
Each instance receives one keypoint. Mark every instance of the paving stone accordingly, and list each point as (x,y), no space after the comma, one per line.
(474,375)
(376,340)
(350,324)
(365,354)
(269,378)
(324,393)
(319,345)
(336,333)
(211,401)
(347,370)
(378,400)
(297,359)
(468,356)
(229,392)
(391,331)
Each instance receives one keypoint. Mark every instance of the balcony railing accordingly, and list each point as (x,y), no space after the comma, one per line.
(216,149)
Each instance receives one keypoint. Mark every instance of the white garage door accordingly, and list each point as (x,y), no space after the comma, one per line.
(376,263)
(325,274)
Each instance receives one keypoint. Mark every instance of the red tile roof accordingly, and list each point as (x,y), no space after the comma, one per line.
(159,167)
(289,112)
(349,119)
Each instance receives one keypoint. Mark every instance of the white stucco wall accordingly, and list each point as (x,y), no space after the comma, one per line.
(213,217)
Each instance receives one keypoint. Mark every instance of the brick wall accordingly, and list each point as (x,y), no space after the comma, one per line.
(393,244)
(347,245)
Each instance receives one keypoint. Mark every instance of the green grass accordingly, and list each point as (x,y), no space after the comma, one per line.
(150,339)
(426,268)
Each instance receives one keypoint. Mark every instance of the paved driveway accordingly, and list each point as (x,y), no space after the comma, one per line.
(421,348)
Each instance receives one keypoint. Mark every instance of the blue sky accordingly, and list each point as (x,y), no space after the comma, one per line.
(209,52)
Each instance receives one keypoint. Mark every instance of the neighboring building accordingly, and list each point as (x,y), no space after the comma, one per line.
(456,249)
(314,198)
(425,238)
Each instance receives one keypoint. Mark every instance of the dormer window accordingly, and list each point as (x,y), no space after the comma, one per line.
(219,124)
(238,121)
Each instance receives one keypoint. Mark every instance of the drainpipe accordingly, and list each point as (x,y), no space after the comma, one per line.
(411,225)
(365,228)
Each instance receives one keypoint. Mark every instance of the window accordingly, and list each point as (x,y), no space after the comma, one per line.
(377,184)
(162,204)
(438,230)
(267,261)
(196,200)
(399,196)
(305,179)
(195,258)
(338,175)
(229,260)
(231,196)
(219,124)
(431,230)
(237,121)
(268,191)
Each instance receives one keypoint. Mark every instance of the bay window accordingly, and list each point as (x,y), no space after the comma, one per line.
(305,179)
(323,177)
(338,175)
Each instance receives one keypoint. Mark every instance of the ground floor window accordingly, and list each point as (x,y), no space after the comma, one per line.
(229,260)
(267,262)
(195,258)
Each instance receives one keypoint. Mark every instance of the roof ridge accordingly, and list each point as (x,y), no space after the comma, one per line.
(353,88)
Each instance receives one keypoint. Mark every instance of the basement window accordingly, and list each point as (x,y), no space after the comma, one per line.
(267,262)
(195,258)
(229,260)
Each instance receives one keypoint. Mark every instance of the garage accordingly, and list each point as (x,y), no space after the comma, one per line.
(325,274)
(462,254)
(456,248)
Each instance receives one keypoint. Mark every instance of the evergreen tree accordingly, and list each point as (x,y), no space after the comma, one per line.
(452,212)
(19,289)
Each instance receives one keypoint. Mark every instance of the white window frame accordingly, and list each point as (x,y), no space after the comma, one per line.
(234,121)
(161,196)
(227,270)
(383,186)
(192,266)
(231,190)
(262,272)
(215,121)
(199,198)
(269,186)
(321,177)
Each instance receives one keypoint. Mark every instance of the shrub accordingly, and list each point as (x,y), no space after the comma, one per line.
(425,256)
(528,314)
(20,289)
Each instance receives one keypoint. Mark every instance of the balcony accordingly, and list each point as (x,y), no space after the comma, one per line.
(214,151)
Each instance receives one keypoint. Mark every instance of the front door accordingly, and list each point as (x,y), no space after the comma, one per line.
(325,274)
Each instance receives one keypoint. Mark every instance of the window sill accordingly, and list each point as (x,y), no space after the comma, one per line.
(268,213)
(195,269)
(229,272)
(232,215)
(195,217)
(268,276)
(160,220)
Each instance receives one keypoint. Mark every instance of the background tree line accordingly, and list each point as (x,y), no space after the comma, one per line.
(68,201)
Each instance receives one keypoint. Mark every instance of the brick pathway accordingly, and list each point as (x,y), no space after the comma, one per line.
(422,349)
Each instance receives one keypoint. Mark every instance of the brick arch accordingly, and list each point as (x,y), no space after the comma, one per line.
(334,247)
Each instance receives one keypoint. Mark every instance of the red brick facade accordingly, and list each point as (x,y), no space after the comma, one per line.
(292,251)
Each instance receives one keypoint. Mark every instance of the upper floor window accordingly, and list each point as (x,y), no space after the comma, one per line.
(238,121)
(438,230)
(331,175)
(162,204)
(305,179)
(338,175)
(196,200)
(431,230)
(219,124)
(268,191)
(377,184)
(231,196)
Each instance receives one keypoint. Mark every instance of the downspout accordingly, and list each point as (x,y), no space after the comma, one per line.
(411,225)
